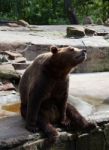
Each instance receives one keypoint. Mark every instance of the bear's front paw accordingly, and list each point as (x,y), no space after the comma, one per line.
(31,128)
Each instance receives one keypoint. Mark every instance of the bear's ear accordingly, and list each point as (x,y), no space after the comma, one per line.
(54,49)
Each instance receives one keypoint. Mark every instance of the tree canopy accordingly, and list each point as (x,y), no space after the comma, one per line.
(53,11)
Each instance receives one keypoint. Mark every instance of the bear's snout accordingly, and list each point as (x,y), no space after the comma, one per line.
(83,52)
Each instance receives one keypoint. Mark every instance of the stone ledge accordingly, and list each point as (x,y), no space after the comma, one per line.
(14,136)
(37,40)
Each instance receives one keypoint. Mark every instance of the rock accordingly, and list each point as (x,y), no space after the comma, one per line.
(23,23)
(102,33)
(3,58)
(4,113)
(106,22)
(12,24)
(75,32)
(20,60)
(17,123)
(20,66)
(88,20)
(9,97)
(20,72)
(99,21)
(7,86)
(12,55)
(14,136)
(94,141)
(7,71)
(89,31)
(99,117)
(106,133)
(107,37)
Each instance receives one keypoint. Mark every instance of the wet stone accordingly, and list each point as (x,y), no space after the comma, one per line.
(23,23)
(6,86)
(15,107)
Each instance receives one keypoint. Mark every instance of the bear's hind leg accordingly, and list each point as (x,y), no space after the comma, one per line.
(49,131)
(47,128)
(78,122)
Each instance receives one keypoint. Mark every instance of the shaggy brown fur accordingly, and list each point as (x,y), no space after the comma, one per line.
(44,91)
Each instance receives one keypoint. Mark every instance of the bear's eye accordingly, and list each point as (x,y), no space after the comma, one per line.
(72,49)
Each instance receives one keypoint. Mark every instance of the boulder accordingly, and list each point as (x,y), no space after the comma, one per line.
(107,22)
(89,31)
(6,86)
(12,24)
(101,33)
(99,21)
(12,55)
(20,60)
(7,71)
(88,20)
(23,23)
(75,32)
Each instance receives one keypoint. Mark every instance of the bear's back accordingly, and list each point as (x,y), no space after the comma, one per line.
(32,75)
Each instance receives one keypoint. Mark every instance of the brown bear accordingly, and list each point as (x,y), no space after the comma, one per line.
(44,91)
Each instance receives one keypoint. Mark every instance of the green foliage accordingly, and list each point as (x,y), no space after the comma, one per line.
(34,11)
(91,8)
(52,11)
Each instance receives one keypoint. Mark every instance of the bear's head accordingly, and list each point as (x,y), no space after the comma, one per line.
(68,56)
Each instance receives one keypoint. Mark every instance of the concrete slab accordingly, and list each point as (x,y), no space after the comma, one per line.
(12,127)
(47,35)
(91,87)
(14,136)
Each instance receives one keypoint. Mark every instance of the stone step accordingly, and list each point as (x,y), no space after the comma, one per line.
(14,136)
(37,39)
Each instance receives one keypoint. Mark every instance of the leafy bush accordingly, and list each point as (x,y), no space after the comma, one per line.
(52,11)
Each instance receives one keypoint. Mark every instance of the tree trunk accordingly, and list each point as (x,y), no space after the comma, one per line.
(70,12)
